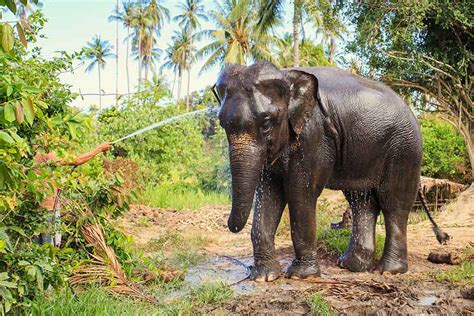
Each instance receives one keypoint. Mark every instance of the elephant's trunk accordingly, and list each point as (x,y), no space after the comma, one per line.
(246,161)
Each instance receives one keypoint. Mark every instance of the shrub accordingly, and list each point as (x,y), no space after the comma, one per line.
(444,151)
(175,159)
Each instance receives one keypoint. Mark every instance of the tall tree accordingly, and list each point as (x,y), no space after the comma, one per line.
(236,38)
(270,14)
(310,55)
(148,19)
(97,51)
(182,47)
(125,16)
(192,11)
(171,61)
(324,15)
(421,48)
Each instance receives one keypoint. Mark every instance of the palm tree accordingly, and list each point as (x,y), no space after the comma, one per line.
(97,50)
(171,61)
(269,12)
(148,19)
(125,16)
(284,51)
(191,12)
(183,50)
(236,39)
(325,17)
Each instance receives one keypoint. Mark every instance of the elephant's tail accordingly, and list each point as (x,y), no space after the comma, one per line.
(441,236)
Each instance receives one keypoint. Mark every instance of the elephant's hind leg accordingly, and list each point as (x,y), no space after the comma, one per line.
(359,256)
(396,198)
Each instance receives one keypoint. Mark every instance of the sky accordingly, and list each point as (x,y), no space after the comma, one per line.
(72,23)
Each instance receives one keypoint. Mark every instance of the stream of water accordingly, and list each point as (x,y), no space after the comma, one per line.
(161,123)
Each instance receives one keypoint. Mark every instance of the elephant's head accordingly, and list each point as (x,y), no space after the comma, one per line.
(261,106)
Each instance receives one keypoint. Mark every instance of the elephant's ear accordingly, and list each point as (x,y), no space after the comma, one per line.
(303,98)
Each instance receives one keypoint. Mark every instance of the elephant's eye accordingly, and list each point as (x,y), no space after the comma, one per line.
(266,127)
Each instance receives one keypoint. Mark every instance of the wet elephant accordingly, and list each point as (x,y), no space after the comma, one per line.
(293,132)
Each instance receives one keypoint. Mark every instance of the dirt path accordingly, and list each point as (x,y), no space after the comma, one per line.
(227,255)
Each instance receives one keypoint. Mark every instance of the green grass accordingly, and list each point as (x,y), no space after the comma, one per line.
(337,240)
(462,274)
(211,293)
(165,197)
(94,301)
(319,305)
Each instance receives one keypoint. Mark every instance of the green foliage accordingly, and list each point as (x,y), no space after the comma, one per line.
(35,118)
(180,159)
(319,306)
(444,151)
(7,38)
(421,48)
(310,54)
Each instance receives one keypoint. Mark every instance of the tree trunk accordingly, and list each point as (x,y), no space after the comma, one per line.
(296,48)
(128,50)
(174,83)
(139,61)
(116,54)
(332,49)
(100,90)
(187,97)
(146,71)
(180,79)
(189,73)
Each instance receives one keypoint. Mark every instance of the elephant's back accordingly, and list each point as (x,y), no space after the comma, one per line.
(372,122)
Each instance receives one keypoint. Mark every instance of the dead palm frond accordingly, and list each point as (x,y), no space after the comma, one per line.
(104,267)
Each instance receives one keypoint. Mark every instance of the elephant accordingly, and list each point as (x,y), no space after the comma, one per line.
(293,132)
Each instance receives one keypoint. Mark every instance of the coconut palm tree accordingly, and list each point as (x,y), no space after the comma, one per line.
(283,51)
(125,16)
(191,12)
(269,12)
(183,50)
(97,51)
(325,17)
(148,19)
(235,39)
(171,62)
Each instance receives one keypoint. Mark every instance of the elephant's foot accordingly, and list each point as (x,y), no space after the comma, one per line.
(357,261)
(387,266)
(265,271)
(303,269)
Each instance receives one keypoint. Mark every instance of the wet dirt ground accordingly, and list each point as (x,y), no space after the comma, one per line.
(228,255)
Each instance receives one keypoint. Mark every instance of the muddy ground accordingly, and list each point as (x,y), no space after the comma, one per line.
(227,254)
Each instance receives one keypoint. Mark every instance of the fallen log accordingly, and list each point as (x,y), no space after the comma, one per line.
(444,257)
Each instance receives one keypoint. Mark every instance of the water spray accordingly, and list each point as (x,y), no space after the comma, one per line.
(163,122)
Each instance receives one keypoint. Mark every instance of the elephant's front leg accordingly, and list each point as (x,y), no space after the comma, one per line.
(269,205)
(302,206)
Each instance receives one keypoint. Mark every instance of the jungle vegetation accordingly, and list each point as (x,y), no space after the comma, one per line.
(423,49)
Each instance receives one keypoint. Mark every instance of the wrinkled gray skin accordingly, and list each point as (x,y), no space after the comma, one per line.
(294,131)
